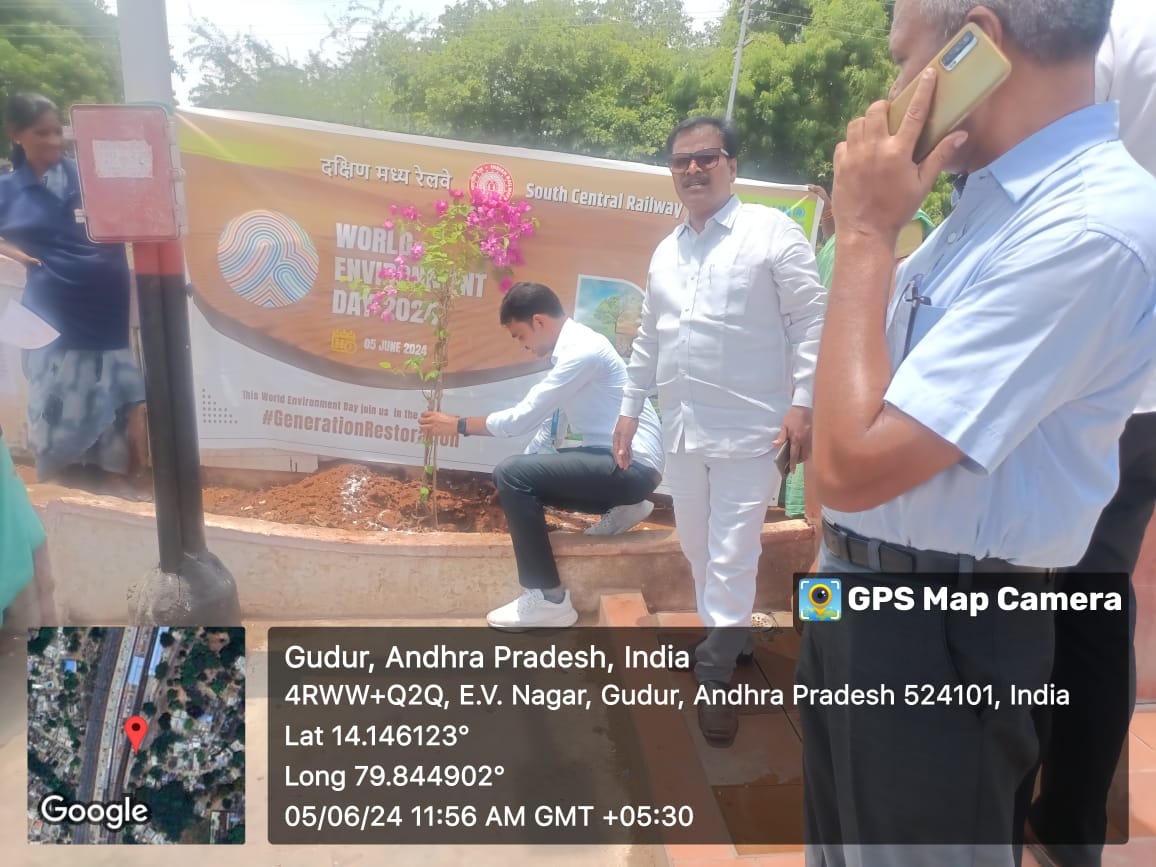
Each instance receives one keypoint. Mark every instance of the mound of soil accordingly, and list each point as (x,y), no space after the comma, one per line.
(366,497)
(359,497)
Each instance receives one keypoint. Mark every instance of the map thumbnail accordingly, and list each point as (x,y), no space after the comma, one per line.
(124,717)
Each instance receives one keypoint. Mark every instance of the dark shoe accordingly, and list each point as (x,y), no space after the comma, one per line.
(744,659)
(718,720)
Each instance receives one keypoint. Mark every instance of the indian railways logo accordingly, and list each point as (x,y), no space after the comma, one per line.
(492,178)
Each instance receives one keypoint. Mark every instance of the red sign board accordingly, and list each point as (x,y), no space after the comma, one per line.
(127,178)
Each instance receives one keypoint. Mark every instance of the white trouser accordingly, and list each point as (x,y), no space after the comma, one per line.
(720,505)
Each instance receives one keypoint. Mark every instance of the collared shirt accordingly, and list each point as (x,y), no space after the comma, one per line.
(81,288)
(730,331)
(1126,73)
(586,384)
(1029,348)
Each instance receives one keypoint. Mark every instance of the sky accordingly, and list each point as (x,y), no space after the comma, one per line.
(294,27)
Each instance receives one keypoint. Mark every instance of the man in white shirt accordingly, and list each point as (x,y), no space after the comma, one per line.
(729,336)
(1094,650)
(586,384)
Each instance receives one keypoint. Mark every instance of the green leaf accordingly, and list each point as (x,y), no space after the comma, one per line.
(385,365)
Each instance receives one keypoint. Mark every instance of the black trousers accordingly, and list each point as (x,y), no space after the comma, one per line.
(1083,742)
(580,480)
(931,784)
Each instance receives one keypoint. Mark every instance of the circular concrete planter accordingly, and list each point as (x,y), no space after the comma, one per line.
(99,546)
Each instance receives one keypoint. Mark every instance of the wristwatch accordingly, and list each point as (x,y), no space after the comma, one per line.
(462,426)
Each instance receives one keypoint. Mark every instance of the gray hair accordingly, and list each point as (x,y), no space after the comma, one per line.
(1049,31)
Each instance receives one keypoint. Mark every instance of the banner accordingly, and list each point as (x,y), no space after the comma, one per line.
(284,213)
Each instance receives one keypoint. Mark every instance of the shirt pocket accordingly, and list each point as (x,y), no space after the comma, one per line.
(924,317)
(722,295)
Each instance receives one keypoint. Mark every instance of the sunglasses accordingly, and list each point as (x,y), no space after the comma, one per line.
(704,159)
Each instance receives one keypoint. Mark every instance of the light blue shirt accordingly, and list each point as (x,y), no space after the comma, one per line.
(586,384)
(1030,348)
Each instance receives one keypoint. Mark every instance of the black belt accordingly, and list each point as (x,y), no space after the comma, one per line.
(901,560)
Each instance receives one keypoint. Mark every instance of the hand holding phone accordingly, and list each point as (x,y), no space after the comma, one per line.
(968,70)
(783,459)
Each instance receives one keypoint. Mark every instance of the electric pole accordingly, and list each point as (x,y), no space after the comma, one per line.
(738,58)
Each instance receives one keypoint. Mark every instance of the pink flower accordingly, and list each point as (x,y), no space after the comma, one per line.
(391,291)
(399,261)
(387,273)
(527,228)
(409,212)
(416,252)
(506,283)
(525,207)
(388,223)
(393,209)
(374,305)
(387,316)
(456,193)
(441,206)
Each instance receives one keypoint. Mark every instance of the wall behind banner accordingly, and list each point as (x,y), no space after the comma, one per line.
(283,212)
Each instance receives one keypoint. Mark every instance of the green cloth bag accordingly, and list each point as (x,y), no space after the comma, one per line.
(794,498)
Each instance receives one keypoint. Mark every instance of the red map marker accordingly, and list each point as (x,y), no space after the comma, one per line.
(136,728)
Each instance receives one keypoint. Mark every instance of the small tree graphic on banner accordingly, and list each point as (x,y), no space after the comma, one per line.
(452,239)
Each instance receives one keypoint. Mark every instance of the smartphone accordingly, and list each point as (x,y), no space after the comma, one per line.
(783,458)
(969,69)
(910,239)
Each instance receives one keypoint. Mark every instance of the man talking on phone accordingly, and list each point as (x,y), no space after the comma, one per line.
(966,430)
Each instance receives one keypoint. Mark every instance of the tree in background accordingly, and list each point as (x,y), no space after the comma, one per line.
(64,49)
(794,100)
(597,77)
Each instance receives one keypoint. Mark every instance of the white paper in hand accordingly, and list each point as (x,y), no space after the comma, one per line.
(22,328)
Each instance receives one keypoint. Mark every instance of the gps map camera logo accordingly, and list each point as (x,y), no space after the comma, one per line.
(820,599)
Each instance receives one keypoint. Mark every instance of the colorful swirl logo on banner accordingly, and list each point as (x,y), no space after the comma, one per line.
(267,259)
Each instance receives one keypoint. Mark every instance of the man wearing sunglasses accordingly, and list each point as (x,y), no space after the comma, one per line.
(729,335)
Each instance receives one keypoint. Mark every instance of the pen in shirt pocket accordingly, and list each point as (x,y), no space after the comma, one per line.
(913,294)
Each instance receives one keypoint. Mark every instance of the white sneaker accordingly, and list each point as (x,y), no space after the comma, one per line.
(621,518)
(532,610)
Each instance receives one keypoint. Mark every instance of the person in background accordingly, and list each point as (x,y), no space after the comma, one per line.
(826,264)
(22,550)
(1094,649)
(86,393)
(825,258)
(967,426)
(730,328)
(21,533)
(586,383)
